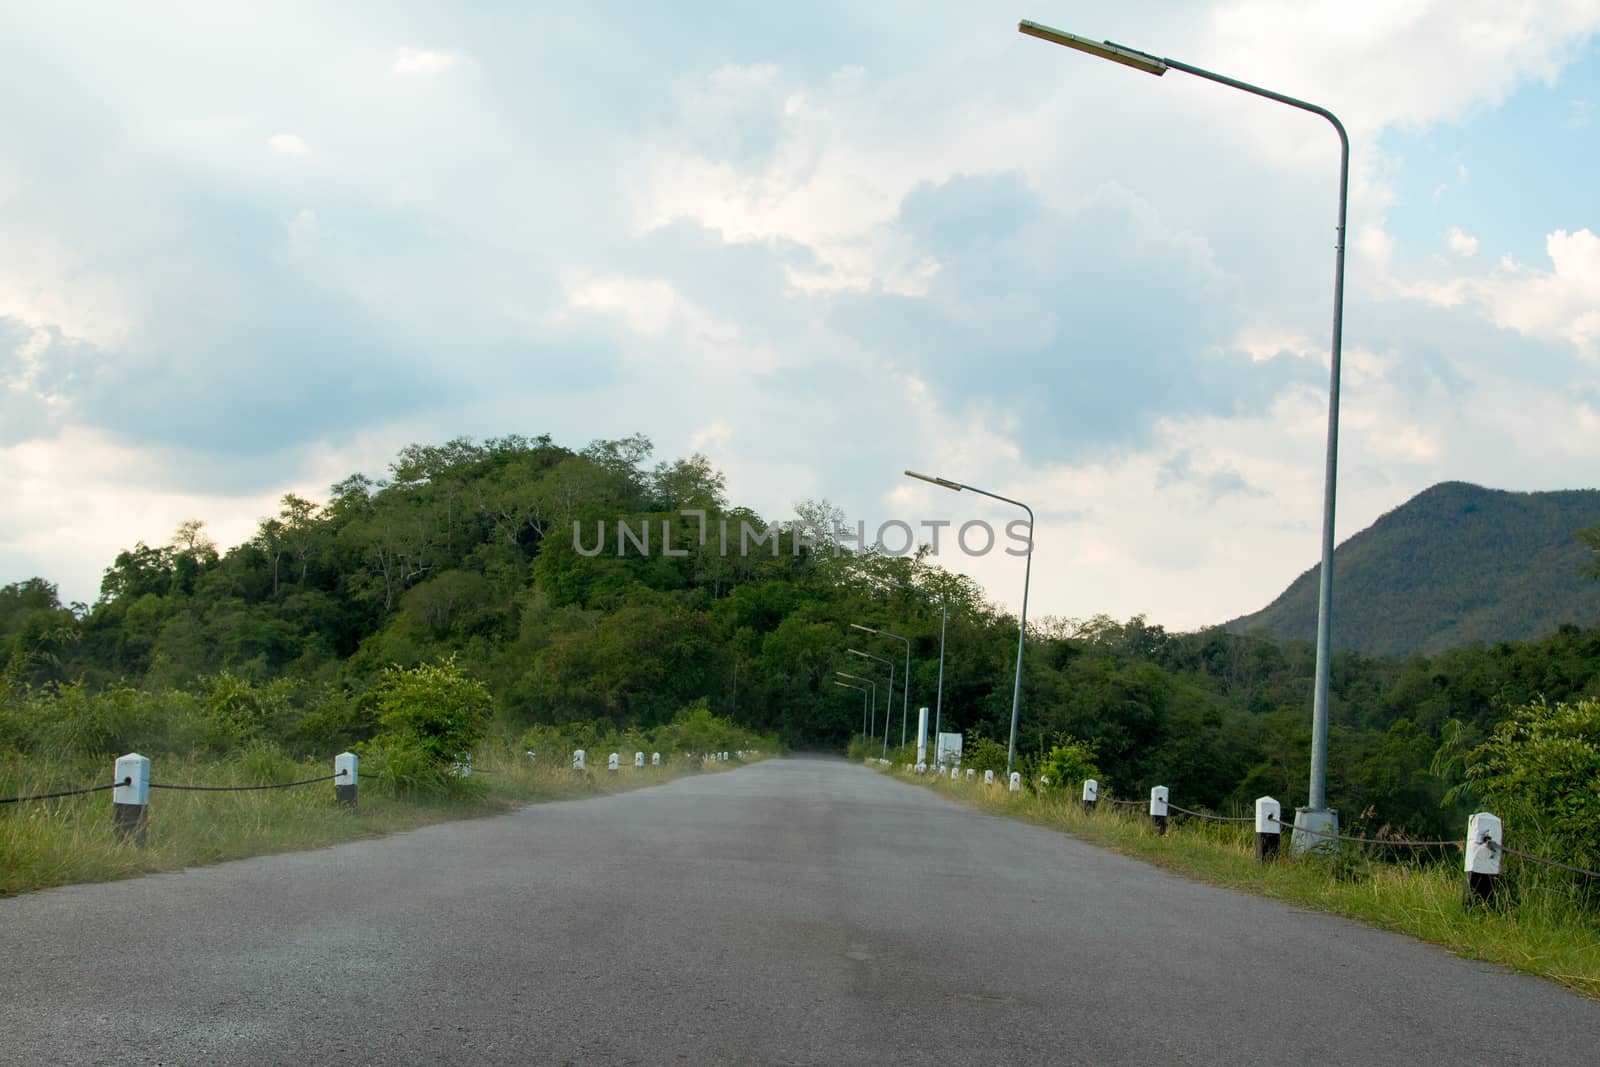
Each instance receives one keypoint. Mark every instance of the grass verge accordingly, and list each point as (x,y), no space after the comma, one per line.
(58,842)
(1549,927)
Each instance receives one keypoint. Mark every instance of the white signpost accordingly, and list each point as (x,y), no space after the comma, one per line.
(948,750)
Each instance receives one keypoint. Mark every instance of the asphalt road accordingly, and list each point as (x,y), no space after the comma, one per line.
(796,911)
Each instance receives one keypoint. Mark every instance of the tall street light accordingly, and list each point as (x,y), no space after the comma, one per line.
(1022,625)
(944,617)
(1315,816)
(874,685)
(863,691)
(888,703)
(905,681)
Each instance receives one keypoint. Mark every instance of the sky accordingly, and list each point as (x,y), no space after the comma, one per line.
(250,252)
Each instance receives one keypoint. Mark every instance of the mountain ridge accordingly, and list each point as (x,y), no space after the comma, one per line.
(1456,564)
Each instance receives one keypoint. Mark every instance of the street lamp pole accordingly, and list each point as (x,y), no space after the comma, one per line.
(888,703)
(944,618)
(905,683)
(1316,814)
(869,681)
(1022,625)
(863,691)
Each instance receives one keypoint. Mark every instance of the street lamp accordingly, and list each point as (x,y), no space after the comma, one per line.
(944,617)
(888,704)
(874,685)
(905,682)
(1316,815)
(1022,626)
(863,692)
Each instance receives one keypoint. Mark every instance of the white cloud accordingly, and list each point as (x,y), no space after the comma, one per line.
(1562,303)
(288,144)
(421,63)
(1460,244)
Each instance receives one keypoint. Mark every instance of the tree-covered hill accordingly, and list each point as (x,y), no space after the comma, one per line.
(1455,564)
(489,554)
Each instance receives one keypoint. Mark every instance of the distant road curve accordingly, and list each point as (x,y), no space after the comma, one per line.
(798,911)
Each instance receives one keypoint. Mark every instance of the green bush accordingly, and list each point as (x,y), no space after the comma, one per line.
(1069,762)
(1539,770)
(430,718)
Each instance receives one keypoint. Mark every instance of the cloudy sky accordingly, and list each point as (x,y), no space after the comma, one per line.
(246,253)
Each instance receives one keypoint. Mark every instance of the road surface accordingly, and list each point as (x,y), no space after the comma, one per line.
(797,911)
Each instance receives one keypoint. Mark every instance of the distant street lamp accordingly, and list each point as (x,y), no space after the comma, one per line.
(889,703)
(905,683)
(944,617)
(1022,625)
(874,685)
(1315,816)
(863,691)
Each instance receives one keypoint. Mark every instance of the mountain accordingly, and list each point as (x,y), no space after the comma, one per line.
(1455,564)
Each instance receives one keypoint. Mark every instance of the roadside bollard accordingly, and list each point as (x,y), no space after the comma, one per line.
(612,766)
(970,772)
(579,756)
(130,804)
(533,758)
(988,778)
(1482,860)
(1016,781)
(655,759)
(1269,828)
(1158,808)
(638,761)
(345,768)
(1091,795)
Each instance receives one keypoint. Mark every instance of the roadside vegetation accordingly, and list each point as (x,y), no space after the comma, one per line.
(413,732)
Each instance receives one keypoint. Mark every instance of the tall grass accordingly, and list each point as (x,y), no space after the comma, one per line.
(57,842)
(1547,924)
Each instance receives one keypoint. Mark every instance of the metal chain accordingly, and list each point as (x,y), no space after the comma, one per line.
(66,792)
(246,788)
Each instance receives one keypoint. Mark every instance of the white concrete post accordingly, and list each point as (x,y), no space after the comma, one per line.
(1158,808)
(1485,835)
(955,774)
(130,803)
(613,765)
(970,772)
(1016,781)
(655,759)
(1269,828)
(638,760)
(1091,794)
(988,778)
(922,768)
(533,758)
(346,771)
(579,758)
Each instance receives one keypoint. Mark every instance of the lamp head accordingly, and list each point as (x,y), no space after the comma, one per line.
(1128,57)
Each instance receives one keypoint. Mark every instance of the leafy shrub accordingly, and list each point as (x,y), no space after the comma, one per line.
(1541,766)
(983,753)
(430,717)
(1069,762)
